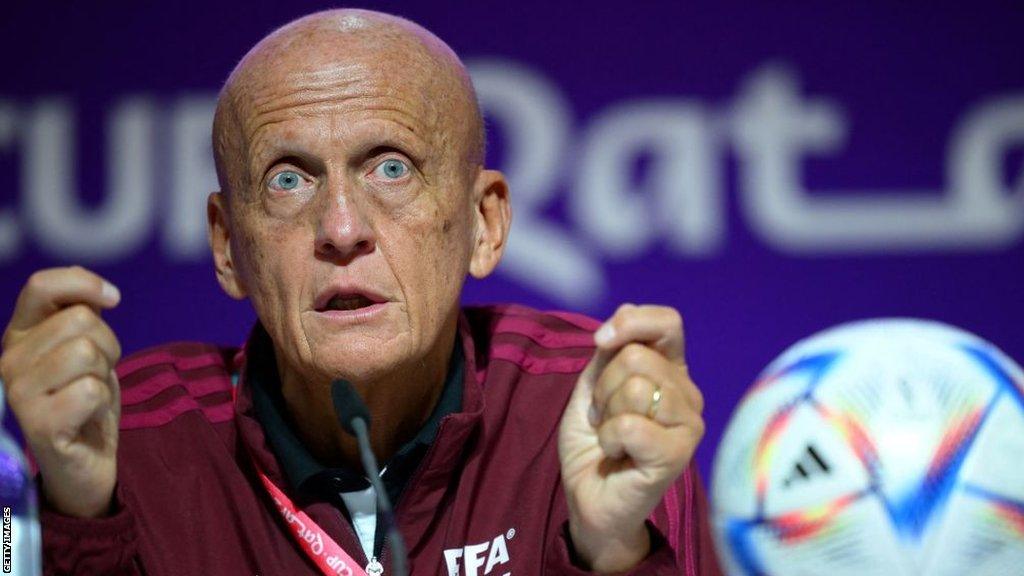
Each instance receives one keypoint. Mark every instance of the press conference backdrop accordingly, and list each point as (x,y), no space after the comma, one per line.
(768,168)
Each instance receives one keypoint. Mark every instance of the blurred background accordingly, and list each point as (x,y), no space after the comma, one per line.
(768,168)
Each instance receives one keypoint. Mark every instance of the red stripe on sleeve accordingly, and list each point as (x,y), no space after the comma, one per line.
(580,321)
(537,332)
(180,405)
(536,365)
(149,388)
(166,356)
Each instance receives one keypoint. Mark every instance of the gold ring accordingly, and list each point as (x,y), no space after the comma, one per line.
(655,402)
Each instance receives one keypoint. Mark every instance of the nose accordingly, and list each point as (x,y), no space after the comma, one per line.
(343,232)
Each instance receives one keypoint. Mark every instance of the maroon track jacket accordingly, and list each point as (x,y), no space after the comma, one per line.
(486,499)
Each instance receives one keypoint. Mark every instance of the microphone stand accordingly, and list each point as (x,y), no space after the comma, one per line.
(355,419)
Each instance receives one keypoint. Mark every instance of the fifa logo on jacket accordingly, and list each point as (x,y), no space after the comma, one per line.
(483,559)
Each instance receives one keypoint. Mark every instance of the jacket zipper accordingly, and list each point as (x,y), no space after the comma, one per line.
(385,551)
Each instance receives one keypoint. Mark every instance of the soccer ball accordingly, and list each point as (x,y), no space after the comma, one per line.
(885,447)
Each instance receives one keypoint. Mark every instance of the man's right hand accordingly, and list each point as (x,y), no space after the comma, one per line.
(58,371)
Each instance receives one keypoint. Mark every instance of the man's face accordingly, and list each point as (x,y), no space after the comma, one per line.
(354,229)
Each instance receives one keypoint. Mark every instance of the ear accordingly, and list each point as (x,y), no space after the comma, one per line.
(493,214)
(220,245)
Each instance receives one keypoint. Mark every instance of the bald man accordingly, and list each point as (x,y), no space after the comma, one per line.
(353,204)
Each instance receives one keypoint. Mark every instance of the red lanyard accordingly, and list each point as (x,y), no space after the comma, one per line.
(321,548)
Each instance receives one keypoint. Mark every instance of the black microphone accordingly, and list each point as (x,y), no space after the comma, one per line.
(348,405)
(354,417)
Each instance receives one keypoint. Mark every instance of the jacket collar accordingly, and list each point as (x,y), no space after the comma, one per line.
(449,431)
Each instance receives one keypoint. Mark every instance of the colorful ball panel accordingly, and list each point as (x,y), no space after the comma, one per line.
(879,447)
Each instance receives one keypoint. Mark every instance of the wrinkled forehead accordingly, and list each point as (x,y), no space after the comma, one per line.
(322,73)
(367,61)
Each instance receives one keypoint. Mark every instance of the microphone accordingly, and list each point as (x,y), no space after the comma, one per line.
(354,417)
(348,405)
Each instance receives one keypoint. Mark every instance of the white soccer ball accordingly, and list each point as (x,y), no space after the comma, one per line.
(885,447)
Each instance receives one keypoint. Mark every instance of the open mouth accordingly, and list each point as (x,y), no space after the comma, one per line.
(346,301)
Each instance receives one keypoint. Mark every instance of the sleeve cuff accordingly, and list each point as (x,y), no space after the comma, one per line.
(88,545)
(562,558)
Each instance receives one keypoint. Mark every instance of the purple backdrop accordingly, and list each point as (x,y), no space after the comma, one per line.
(768,168)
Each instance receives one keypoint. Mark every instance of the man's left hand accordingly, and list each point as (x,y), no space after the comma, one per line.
(630,428)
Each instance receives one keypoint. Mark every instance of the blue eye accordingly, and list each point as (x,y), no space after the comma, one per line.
(392,169)
(286,180)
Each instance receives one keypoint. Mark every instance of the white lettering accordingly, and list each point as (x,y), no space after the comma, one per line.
(534,120)
(316,541)
(498,555)
(311,537)
(492,553)
(192,178)
(60,224)
(679,194)
(451,560)
(474,557)
(990,210)
(775,129)
(339,566)
(615,211)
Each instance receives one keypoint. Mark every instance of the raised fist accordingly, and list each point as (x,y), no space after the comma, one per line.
(58,371)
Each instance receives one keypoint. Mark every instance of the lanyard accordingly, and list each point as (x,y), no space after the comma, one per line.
(321,548)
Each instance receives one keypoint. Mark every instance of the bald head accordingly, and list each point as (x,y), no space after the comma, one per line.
(341,51)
